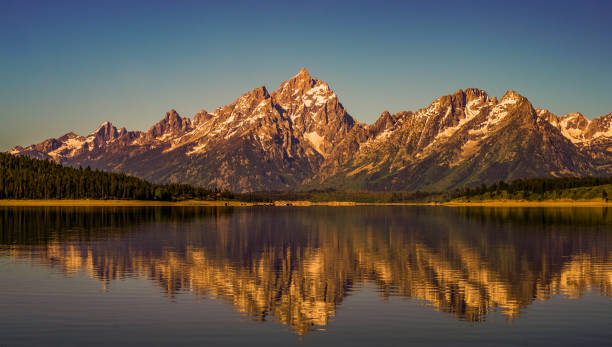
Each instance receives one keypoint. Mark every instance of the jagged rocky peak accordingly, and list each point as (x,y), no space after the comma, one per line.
(459,101)
(302,80)
(103,127)
(17,149)
(386,118)
(450,110)
(259,93)
(303,72)
(575,120)
(463,97)
(201,117)
(47,145)
(172,117)
(474,93)
(247,102)
(603,122)
(600,127)
(313,107)
(384,122)
(512,97)
(516,107)
(303,88)
(548,116)
(301,134)
(172,123)
(579,129)
(106,132)
(68,136)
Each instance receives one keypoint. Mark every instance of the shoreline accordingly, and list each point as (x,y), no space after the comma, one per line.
(223,203)
(118,203)
(526,203)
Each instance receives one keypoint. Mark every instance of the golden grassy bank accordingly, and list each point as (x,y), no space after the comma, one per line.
(525,203)
(136,203)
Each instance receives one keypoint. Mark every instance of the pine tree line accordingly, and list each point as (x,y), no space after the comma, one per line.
(544,188)
(26,178)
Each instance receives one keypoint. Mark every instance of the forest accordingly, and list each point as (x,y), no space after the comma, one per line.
(571,188)
(533,189)
(26,178)
(328,195)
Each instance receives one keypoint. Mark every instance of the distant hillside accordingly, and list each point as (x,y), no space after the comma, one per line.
(566,188)
(25,178)
(350,196)
(22,177)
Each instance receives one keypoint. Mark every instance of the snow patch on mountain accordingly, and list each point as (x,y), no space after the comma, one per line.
(197,149)
(471,111)
(316,140)
(68,148)
(256,134)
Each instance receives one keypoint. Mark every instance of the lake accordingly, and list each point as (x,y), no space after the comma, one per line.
(320,276)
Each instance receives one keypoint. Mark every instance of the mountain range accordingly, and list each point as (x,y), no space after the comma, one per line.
(301,137)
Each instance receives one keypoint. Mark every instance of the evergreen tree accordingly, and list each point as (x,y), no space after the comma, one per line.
(26,178)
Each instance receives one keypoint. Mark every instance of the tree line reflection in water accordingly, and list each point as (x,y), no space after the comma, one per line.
(297,265)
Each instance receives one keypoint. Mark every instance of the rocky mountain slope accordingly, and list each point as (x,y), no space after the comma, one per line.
(300,136)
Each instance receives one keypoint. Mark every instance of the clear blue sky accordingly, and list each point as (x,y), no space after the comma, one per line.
(72,65)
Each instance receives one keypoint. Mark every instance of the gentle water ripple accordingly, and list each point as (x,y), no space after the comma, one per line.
(298,266)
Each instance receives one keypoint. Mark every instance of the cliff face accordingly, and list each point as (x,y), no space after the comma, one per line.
(301,136)
(466,138)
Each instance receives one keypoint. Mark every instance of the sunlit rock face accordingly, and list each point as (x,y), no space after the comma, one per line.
(593,138)
(301,136)
(466,262)
(261,141)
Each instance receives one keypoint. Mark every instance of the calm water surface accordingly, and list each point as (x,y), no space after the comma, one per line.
(305,276)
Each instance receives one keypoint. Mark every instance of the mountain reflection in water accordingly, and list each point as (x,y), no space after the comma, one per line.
(297,265)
